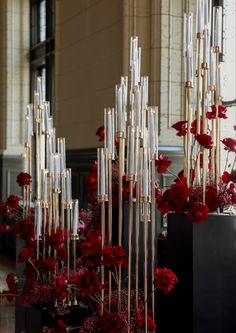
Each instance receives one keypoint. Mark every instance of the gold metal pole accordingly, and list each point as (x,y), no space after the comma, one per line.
(217,171)
(120,203)
(145,229)
(153,229)
(109,224)
(103,221)
(199,45)
(131,185)
(204,120)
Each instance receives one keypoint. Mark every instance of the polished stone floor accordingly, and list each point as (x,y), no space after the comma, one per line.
(7,309)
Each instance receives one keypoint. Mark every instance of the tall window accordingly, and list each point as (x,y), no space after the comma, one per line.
(42,46)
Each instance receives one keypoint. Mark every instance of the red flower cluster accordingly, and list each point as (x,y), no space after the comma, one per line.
(230,144)
(56,239)
(198,213)
(59,328)
(23,179)
(87,282)
(25,254)
(162,164)
(61,287)
(12,281)
(204,140)
(181,127)
(221,112)
(13,201)
(164,280)
(111,323)
(229,177)
(140,323)
(114,256)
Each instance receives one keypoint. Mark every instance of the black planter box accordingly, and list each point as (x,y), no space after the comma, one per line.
(204,259)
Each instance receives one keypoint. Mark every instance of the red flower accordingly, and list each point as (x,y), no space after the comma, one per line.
(193,129)
(3,210)
(101,133)
(221,112)
(25,254)
(111,323)
(87,282)
(179,193)
(59,328)
(11,281)
(181,127)
(140,322)
(25,229)
(204,140)
(113,256)
(163,201)
(62,253)
(56,239)
(23,179)
(13,201)
(45,265)
(61,287)
(162,163)
(211,198)
(230,144)
(92,245)
(164,280)
(233,176)
(198,213)
(225,177)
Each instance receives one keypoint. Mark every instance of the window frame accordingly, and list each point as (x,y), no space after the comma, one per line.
(42,53)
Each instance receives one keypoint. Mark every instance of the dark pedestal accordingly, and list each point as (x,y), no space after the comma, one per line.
(204,259)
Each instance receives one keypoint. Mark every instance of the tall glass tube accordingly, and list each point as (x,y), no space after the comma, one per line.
(200,17)
(38,218)
(131,153)
(102,173)
(68,191)
(75,217)
(217,27)
(153,131)
(109,128)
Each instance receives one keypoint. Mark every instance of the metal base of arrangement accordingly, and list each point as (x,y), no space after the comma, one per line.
(204,259)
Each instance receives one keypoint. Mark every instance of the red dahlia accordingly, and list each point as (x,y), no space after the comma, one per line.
(113,256)
(140,322)
(111,323)
(162,163)
(198,213)
(23,179)
(101,133)
(204,140)
(221,112)
(88,283)
(13,201)
(181,127)
(230,144)
(164,280)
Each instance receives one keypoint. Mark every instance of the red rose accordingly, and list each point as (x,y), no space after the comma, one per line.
(193,129)
(204,140)
(230,144)
(61,287)
(164,280)
(211,198)
(88,283)
(181,127)
(179,193)
(13,201)
(111,323)
(221,112)
(25,254)
(12,281)
(56,239)
(140,323)
(162,163)
(198,213)
(113,256)
(101,133)
(25,229)
(233,176)
(225,177)
(24,179)
(3,210)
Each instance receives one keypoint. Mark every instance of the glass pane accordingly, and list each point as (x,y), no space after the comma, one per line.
(42,21)
(228,66)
